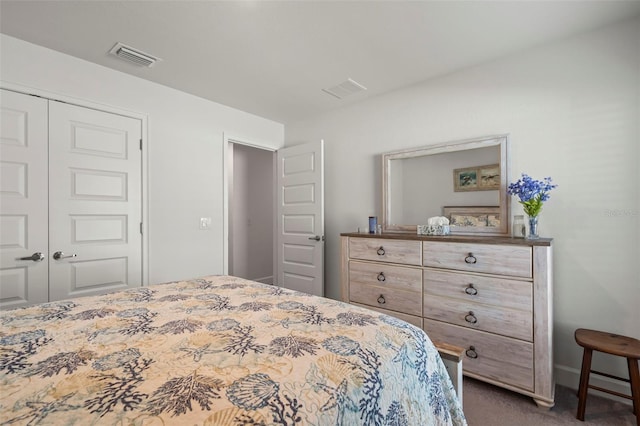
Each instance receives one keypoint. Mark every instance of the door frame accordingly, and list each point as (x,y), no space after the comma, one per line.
(144,121)
(227,172)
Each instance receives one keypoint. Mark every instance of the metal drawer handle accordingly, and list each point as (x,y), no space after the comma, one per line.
(36,257)
(470,259)
(471,290)
(471,318)
(381,277)
(380,251)
(381,300)
(471,352)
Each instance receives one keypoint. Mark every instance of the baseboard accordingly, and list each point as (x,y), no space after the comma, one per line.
(570,378)
(265,280)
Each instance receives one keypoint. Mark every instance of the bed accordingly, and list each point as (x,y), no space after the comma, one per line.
(218,350)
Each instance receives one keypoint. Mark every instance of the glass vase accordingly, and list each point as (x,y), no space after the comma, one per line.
(533,228)
(518,228)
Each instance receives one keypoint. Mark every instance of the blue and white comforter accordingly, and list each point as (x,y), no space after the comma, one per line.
(218,351)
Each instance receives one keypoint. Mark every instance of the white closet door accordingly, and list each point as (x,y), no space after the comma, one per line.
(23,200)
(95,201)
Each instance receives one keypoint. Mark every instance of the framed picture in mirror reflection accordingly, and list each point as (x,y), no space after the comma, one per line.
(479,178)
(478,217)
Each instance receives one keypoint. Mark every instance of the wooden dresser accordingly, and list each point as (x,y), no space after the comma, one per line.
(490,295)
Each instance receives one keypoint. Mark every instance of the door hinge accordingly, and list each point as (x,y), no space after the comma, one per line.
(140,144)
(140,227)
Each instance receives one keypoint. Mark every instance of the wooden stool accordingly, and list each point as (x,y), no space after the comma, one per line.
(612,344)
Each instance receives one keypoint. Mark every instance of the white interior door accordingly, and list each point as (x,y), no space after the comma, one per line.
(23,200)
(300,218)
(94,200)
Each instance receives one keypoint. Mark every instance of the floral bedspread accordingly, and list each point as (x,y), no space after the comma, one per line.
(218,350)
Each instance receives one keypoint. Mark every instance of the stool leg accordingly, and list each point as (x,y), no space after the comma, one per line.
(584,383)
(634,376)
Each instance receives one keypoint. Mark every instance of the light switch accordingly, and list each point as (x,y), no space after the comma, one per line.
(205,222)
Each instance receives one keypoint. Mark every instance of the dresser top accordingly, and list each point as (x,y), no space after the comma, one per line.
(454,238)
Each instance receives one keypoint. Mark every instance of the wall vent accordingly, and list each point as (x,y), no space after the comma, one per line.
(346,88)
(134,56)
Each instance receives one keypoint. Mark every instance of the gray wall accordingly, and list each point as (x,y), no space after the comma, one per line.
(184,147)
(572,111)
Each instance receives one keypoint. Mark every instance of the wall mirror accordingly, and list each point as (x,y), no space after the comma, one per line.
(466,181)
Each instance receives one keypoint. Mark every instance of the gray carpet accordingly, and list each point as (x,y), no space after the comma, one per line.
(487,405)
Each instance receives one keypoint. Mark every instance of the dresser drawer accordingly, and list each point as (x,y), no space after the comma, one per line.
(386,250)
(508,260)
(411,319)
(494,319)
(489,290)
(408,302)
(384,275)
(493,357)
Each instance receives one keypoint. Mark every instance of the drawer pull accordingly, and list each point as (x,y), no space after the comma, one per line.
(471,290)
(471,352)
(380,251)
(381,277)
(470,259)
(471,318)
(381,300)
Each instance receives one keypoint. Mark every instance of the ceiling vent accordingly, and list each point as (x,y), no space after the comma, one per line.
(345,89)
(129,54)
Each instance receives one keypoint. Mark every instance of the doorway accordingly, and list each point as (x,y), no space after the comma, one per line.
(251,195)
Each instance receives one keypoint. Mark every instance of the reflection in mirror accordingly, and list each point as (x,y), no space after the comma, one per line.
(464,180)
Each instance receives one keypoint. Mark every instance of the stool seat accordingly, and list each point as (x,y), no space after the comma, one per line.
(613,344)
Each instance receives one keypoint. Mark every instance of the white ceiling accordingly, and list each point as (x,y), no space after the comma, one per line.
(273,58)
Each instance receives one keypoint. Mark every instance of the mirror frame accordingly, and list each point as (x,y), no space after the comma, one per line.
(504,209)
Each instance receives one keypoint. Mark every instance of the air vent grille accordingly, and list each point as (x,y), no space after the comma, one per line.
(134,56)
(346,88)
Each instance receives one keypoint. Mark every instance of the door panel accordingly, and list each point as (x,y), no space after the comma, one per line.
(23,199)
(95,198)
(300,212)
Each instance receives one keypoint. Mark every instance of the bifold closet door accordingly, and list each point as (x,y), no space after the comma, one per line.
(95,243)
(23,200)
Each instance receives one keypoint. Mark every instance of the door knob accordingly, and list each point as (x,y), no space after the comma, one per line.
(60,255)
(316,238)
(36,257)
